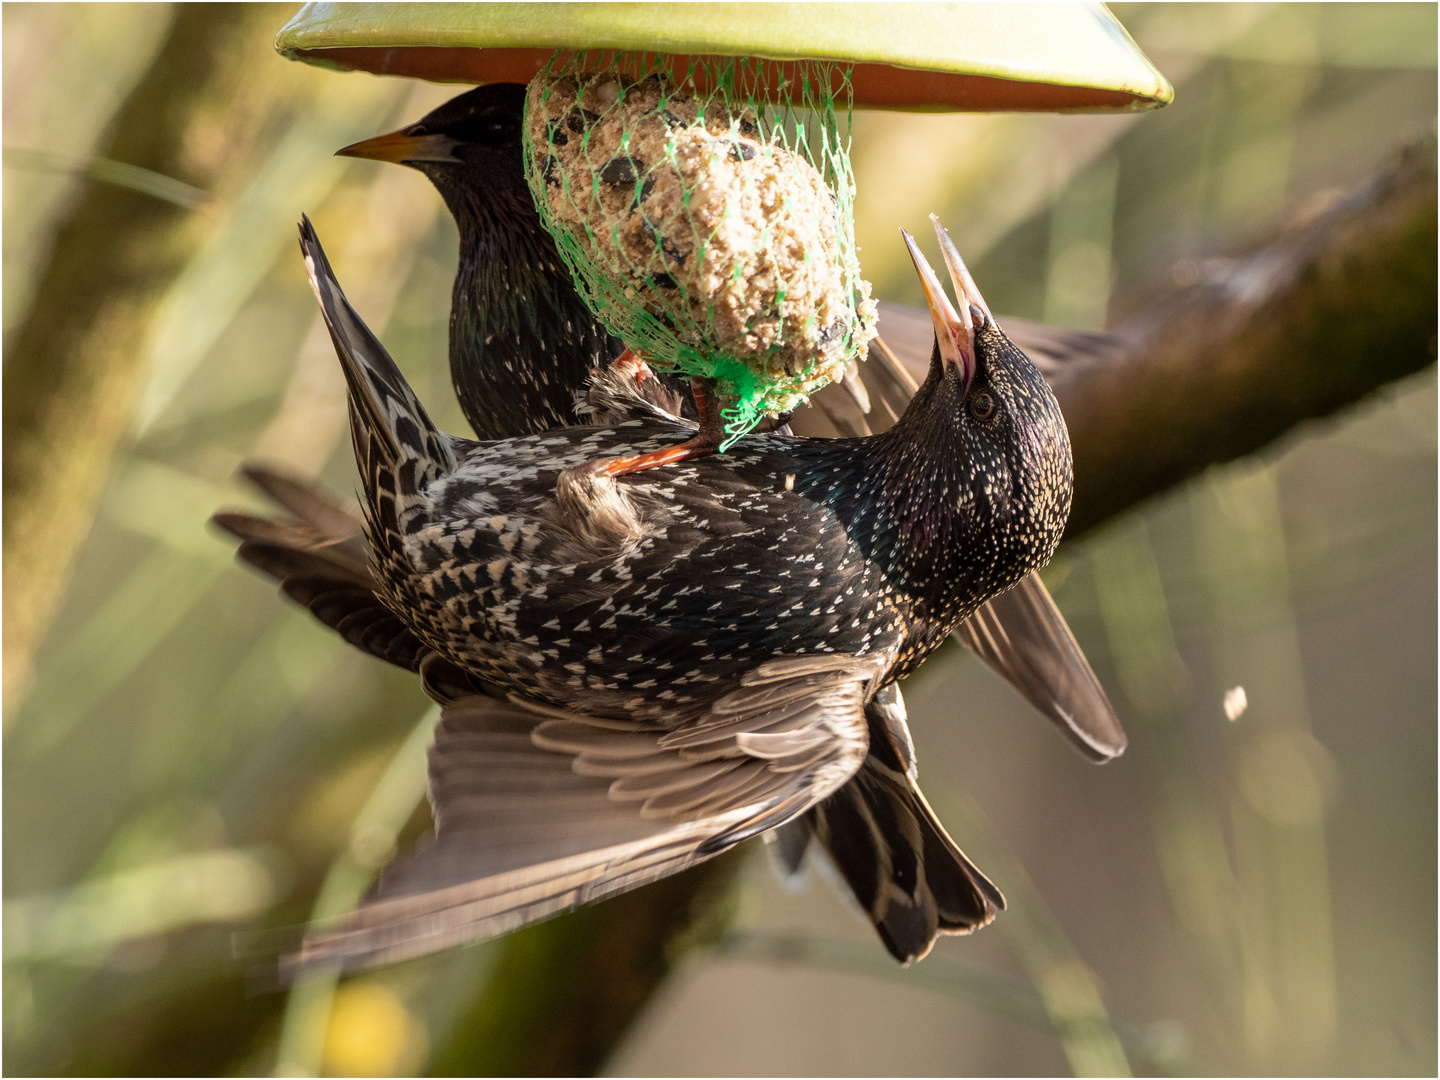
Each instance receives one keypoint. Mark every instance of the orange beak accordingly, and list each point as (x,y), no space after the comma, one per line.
(954,331)
(403,147)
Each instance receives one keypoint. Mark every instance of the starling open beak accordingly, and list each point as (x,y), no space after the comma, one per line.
(965,288)
(954,331)
(408,146)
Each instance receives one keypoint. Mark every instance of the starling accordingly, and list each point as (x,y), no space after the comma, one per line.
(522,342)
(638,673)
(522,345)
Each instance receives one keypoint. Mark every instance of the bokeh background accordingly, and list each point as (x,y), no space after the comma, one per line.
(192,757)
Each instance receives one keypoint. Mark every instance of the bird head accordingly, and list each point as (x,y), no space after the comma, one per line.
(477,131)
(989,425)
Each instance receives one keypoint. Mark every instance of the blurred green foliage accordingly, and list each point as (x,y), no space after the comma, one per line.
(196,758)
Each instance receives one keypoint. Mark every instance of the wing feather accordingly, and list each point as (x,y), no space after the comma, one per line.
(322,561)
(536,809)
(1023,636)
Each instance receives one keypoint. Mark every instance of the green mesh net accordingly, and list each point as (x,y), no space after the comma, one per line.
(707,216)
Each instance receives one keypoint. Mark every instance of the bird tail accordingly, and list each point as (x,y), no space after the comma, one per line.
(391,430)
(902,867)
(906,872)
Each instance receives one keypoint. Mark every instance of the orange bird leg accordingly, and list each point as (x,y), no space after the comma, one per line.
(629,360)
(703,443)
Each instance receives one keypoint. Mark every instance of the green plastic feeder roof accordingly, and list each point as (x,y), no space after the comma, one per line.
(973,57)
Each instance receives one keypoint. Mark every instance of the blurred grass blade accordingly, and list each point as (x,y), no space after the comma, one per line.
(295,177)
(1189,840)
(229,885)
(1160,1045)
(124,630)
(173,507)
(130,177)
(1065,985)
(1282,775)
(372,842)
(993,993)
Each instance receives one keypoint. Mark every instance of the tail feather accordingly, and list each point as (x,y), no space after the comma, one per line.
(905,871)
(390,427)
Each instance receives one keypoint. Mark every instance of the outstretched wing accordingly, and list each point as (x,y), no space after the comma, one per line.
(322,561)
(538,810)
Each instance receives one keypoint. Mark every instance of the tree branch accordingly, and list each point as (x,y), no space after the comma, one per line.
(73,368)
(1332,310)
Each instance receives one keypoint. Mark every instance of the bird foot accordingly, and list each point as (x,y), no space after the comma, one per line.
(697,447)
(634,365)
(703,443)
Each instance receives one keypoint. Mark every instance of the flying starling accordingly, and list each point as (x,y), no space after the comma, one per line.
(639,673)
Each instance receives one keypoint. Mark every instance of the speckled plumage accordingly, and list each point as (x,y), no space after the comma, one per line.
(469,148)
(529,820)
(504,561)
(857,556)
(734,614)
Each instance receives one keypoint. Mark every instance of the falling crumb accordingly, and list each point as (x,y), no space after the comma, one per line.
(790,481)
(1235,703)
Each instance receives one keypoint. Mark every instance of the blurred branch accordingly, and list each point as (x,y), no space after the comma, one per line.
(131,177)
(72,371)
(1342,304)
(563,993)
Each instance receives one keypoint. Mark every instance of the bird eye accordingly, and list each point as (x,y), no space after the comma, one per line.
(486,130)
(982,405)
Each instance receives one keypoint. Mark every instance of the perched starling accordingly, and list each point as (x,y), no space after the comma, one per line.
(640,673)
(323,559)
(522,342)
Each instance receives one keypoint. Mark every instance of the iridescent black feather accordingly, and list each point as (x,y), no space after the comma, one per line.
(522,342)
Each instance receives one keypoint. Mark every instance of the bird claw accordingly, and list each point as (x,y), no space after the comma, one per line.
(632,364)
(703,443)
